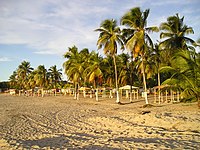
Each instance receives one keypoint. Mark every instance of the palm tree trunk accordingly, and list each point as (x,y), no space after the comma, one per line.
(116,80)
(159,87)
(131,72)
(96,93)
(144,82)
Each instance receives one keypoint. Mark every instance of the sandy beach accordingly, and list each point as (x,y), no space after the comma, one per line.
(60,122)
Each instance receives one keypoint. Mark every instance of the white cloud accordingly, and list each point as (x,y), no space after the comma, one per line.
(50,26)
(5,59)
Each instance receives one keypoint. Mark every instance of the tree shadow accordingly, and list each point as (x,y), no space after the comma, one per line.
(63,142)
(52,142)
(168,143)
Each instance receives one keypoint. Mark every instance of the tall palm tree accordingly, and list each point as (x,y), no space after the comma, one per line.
(109,38)
(23,71)
(174,33)
(154,63)
(136,36)
(55,75)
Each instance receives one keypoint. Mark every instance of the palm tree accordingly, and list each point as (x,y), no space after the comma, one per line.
(13,80)
(75,65)
(185,72)
(31,80)
(174,33)
(136,37)
(154,62)
(55,75)
(109,38)
(23,71)
(41,76)
(108,71)
(124,69)
(93,70)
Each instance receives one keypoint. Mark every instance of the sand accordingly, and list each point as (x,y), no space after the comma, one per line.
(60,122)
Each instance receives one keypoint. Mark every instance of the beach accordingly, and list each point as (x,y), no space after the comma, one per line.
(61,122)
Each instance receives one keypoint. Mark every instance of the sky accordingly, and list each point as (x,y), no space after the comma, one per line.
(41,31)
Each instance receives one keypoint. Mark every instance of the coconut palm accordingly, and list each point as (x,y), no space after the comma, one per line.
(13,80)
(75,66)
(124,69)
(174,33)
(41,76)
(55,75)
(73,56)
(31,80)
(153,64)
(108,71)
(109,38)
(93,70)
(185,70)
(23,71)
(136,37)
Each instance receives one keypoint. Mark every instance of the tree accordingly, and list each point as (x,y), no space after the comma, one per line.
(108,71)
(13,80)
(31,80)
(55,75)
(174,33)
(136,37)
(41,76)
(185,70)
(109,38)
(75,66)
(93,70)
(23,71)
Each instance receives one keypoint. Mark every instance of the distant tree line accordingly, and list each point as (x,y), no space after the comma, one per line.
(26,77)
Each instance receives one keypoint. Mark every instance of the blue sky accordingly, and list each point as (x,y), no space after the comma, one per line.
(41,31)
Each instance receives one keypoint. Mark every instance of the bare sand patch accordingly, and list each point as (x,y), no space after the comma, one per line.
(60,122)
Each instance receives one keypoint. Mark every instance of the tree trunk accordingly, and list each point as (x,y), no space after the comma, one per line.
(116,80)
(131,71)
(144,82)
(159,87)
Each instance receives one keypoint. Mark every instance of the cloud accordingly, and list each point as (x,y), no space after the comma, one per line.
(50,27)
(5,59)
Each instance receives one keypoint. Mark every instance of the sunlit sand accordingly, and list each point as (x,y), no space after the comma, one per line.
(60,122)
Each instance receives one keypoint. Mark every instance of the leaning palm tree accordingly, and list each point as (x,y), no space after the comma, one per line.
(109,38)
(136,37)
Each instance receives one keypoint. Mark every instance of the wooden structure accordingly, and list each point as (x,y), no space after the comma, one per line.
(166,93)
(127,89)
